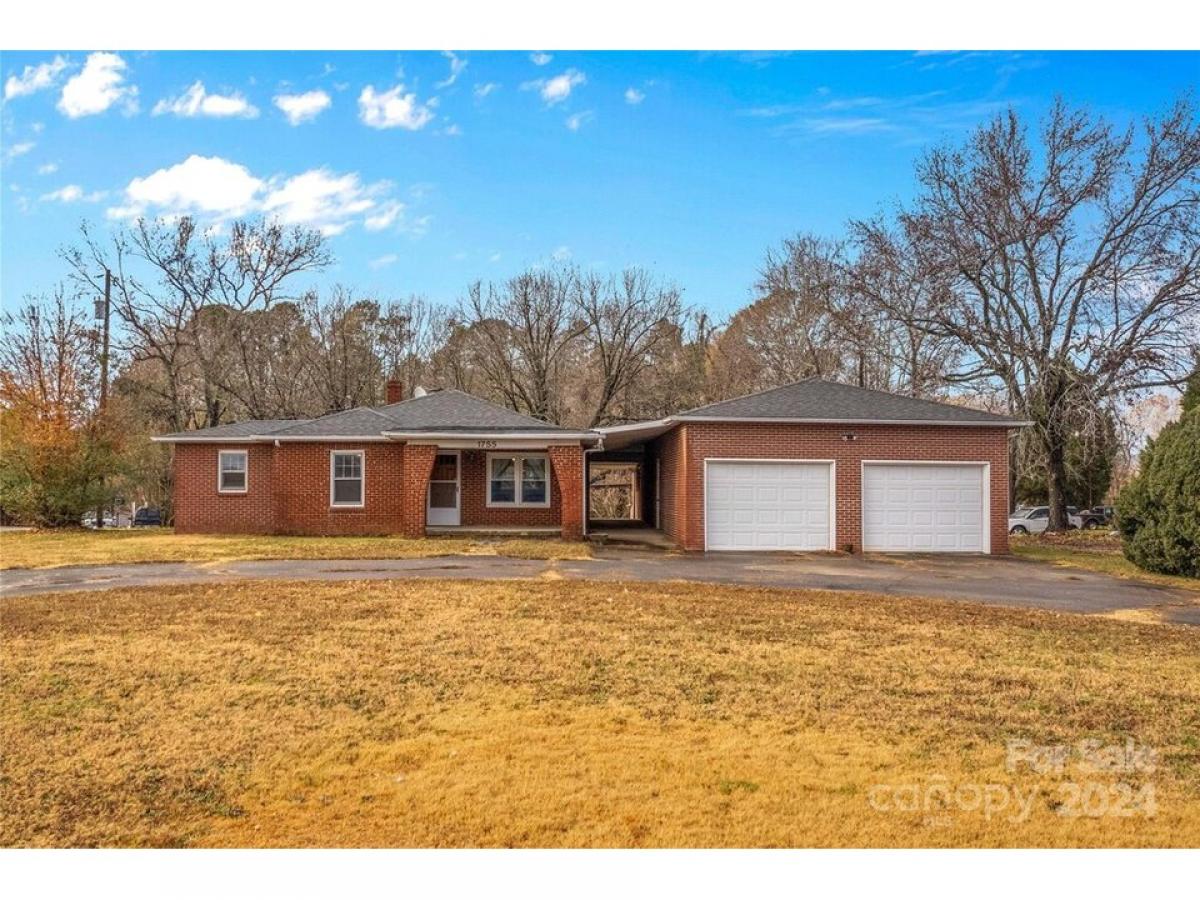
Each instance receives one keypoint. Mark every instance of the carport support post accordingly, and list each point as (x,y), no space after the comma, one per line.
(418,464)
(567,463)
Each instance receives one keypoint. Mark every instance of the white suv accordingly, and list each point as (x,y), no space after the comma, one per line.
(1034,519)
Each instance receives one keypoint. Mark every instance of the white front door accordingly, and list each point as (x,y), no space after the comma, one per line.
(443,504)
(768,505)
(925,508)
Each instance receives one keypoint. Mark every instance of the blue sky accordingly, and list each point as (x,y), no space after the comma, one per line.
(430,170)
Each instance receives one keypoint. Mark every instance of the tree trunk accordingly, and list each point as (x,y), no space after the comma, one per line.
(1056,480)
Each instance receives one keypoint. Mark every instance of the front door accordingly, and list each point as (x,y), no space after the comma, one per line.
(442,507)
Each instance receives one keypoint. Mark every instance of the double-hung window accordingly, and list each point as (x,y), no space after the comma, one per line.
(232,474)
(518,479)
(346,478)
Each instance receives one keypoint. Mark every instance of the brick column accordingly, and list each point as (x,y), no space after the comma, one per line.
(418,463)
(567,465)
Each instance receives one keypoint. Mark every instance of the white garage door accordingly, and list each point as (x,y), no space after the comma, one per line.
(924,508)
(767,506)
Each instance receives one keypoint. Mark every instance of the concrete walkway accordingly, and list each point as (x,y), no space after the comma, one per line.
(1001,581)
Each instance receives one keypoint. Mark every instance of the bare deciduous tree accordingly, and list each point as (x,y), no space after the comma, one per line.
(1068,265)
(523,333)
(629,319)
(182,294)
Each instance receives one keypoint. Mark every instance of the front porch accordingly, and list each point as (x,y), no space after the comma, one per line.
(496,486)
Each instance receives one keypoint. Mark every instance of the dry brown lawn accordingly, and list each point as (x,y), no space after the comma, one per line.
(79,547)
(552,713)
(1096,551)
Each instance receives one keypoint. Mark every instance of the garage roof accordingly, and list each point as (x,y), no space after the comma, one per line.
(815,400)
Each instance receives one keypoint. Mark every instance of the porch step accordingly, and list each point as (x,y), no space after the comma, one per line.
(632,537)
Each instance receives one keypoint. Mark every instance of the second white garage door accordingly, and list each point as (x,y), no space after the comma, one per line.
(936,507)
(768,505)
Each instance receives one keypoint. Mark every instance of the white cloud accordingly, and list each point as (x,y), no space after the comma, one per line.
(381,262)
(300,108)
(47,168)
(200,185)
(385,216)
(456,68)
(215,190)
(73,193)
(633,96)
(495,257)
(35,78)
(417,227)
(482,90)
(196,101)
(320,199)
(394,108)
(20,149)
(100,85)
(575,121)
(538,58)
(452,130)
(556,89)
(561,254)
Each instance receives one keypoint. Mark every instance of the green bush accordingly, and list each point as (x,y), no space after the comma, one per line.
(1158,514)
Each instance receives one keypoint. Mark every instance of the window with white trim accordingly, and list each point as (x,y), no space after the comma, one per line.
(518,479)
(232,471)
(347,477)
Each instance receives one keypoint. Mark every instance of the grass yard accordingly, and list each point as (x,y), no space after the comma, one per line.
(1097,551)
(80,547)
(547,713)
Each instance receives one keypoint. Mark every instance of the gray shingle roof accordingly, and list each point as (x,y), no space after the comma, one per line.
(362,421)
(449,411)
(235,429)
(817,399)
(453,410)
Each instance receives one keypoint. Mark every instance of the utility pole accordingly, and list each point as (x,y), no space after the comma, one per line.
(105,315)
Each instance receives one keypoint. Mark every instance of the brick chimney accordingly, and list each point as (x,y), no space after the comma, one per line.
(395,390)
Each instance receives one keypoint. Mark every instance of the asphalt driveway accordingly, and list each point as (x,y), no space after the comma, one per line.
(1003,581)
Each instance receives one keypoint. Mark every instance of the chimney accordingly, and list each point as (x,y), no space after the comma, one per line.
(395,390)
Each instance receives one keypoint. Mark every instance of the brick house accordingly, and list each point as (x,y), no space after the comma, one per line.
(437,461)
(809,466)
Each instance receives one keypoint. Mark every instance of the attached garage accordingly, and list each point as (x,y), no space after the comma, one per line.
(938,507)
(769,505)
(818,465)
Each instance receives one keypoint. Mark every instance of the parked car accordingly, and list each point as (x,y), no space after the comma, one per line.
(1034,519)
(148,517)
(89,521)
(1091,518)
(1103,516)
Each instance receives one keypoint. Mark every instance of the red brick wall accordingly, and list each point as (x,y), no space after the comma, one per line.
(288,491)
(198,506)
(686,447)
(418,464)
(566,466)
(672,468)
(475,510)
(302,490)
